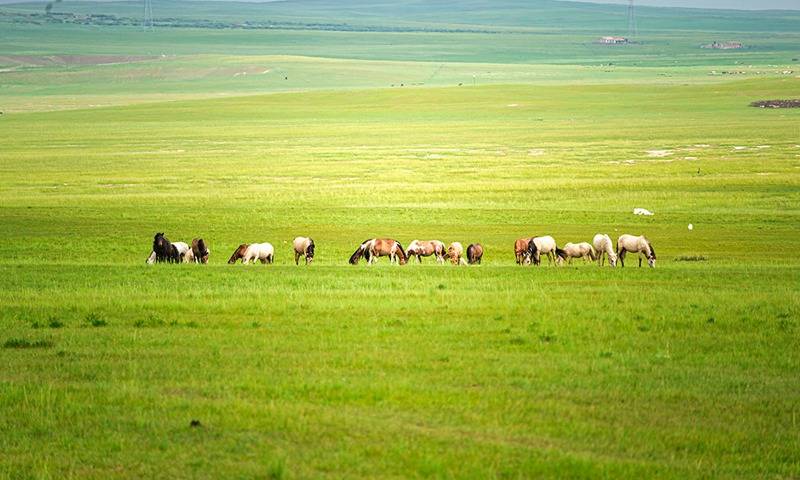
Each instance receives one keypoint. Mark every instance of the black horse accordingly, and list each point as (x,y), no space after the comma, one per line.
(164,249)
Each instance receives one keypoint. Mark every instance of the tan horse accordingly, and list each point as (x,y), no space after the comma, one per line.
(379,247)
(641,245)
(575,250)
(238,253)
(419,249)
(303,247)
(604,247)
(521,251)
(455,252)
(475,254)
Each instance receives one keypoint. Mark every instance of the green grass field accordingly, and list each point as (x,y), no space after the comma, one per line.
(688,370)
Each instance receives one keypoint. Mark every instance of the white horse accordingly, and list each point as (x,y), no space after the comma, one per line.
(641,245)
(455,252)
(575,250)
(303,247)
(263,252)
(541,245)
(604,248)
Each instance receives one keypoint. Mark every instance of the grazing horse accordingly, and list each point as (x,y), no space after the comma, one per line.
(542,245)
(303,247)
(164,250)
(455,252)
(575,250)
(419,249)
(238,253)
(521,251)
(641,245)
(604,248)
(474,253)
(200,252)
(184,252)
(262,252)
(379,247)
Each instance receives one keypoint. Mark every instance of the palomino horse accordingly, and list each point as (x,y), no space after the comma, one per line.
(641,245)
(604,248)
(575,250)
(379,247)
(419,249)
(474,253)
(199,251)
(455,252)
(542,245)
(303,247)
(521,251)
(163,250)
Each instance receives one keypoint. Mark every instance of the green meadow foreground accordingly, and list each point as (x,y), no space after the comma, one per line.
(686,370)
(510,122)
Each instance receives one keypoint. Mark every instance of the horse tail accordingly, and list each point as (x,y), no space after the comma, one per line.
(360,252)
(592,253)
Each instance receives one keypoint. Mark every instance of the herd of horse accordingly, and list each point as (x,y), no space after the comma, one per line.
(528,251)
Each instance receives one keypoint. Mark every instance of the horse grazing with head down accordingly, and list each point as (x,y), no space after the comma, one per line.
(521,251)
(604,248)
(575,250)
(303,247)
(419,249)
(200,252)
(474,253)
(455,252)
(641,245)
(238,253)
(164,250)
(379,247)
(542,245)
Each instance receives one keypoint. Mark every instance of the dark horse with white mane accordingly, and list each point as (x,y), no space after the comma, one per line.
(164,249)
(379,247)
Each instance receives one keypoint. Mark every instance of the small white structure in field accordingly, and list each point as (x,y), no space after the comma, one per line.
(642,211)
(691,227)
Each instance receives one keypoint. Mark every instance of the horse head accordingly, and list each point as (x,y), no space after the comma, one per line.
(651,259)
(238,253)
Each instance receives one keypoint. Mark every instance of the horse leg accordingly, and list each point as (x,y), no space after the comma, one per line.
(297,258)
(640,259)
(621,256)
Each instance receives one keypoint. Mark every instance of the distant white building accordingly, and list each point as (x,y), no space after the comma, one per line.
(613,40)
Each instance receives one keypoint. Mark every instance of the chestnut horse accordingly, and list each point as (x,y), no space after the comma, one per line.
(379,247)
(303,247)
(521,251)
(238,253)
(419,249)
(474,253)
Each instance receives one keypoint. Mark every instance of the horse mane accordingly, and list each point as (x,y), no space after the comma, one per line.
(236,255)
(652,250)
(561,253)
(532,248)
(402,252)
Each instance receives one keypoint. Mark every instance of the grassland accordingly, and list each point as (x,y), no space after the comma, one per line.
(329,371)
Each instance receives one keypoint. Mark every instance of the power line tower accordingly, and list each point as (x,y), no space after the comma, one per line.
(147,21)
(631,20)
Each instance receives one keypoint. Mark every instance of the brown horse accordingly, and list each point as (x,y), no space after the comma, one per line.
(303,246)
(238,253)
(379,247)
(521,250)
(200,251)
(419,249)
(474,253)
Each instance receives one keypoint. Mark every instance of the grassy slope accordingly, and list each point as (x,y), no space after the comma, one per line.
(683,371)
